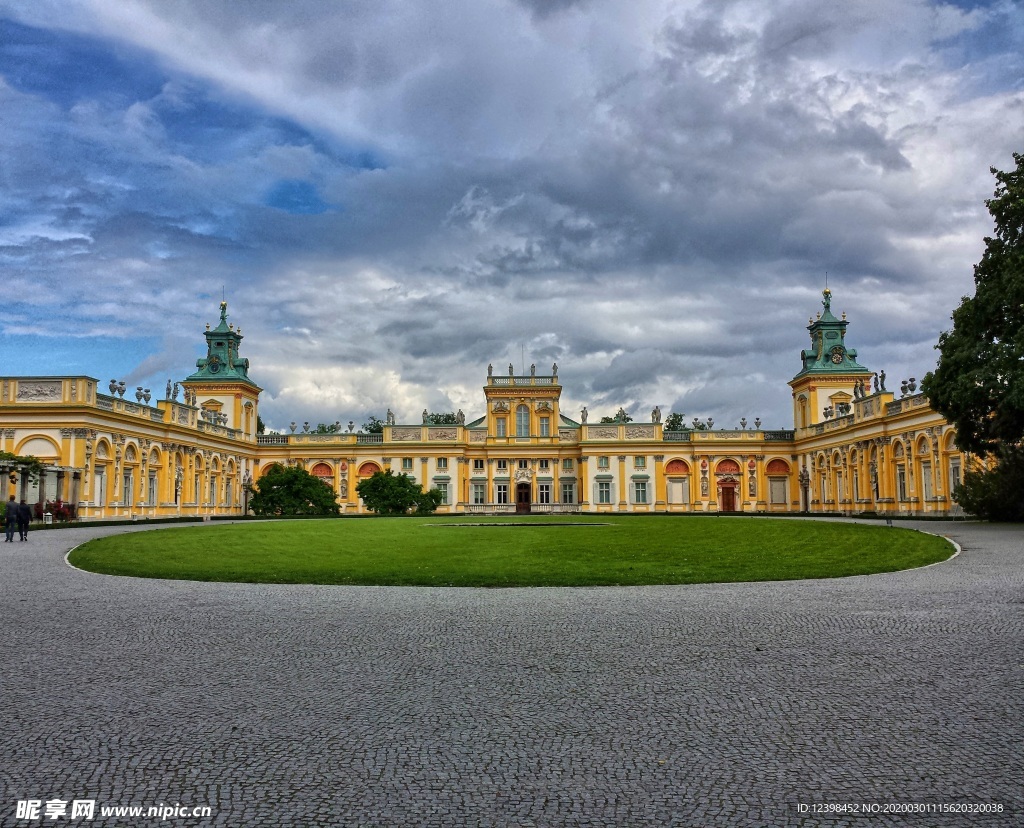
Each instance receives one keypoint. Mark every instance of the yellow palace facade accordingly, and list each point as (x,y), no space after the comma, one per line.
(855,447)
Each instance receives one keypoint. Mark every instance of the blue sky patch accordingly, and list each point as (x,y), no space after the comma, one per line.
(298,197)
(67,68)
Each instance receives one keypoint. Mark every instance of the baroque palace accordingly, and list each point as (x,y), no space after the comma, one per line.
(855,447)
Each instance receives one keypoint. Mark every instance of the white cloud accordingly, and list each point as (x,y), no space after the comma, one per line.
(648,193)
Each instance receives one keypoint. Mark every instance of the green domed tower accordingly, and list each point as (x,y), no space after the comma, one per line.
(829,373)
(221,384)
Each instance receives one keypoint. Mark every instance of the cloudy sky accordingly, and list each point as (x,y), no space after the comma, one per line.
(392,194)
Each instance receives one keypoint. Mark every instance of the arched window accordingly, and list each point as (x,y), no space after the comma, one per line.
(522,421)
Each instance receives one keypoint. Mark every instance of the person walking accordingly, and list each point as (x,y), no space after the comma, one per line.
(24,519)
(11,519)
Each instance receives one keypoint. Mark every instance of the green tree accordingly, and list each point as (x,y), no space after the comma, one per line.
(978,384)
(12,463)
(994,494)
(674,422)
(620,417)
(260,427)
(326,428)
(442,418)
(373,425)
(292,491)
(387,493)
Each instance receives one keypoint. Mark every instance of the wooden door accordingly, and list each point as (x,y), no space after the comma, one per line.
(522,498)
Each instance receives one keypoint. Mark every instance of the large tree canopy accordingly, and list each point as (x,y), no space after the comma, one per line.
(387,493)
(292,491)
(979,382)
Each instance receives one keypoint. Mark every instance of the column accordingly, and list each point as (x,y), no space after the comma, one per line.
(660,483)
(76,486)
(461,493)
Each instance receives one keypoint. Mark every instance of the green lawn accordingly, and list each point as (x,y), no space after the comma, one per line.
(555,551)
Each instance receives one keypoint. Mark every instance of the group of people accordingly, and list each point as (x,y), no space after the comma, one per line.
(18,515)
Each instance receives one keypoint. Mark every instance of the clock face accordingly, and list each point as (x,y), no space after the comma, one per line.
(837,356)
(214,365)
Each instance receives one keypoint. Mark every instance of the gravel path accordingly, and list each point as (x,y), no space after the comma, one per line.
(732,705)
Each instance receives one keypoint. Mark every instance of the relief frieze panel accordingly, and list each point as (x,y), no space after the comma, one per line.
(40,391)
(640,432)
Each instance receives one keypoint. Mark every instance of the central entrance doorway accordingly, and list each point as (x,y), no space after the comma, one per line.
(728,499)
(522,498)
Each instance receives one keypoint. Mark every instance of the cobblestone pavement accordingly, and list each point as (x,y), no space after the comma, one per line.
(727,705)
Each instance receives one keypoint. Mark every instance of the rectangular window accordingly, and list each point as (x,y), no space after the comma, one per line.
(152,495)
(954,473)
(604,491)
(501,493)
(101,488)
(567,464)
(602,462)
(499,426)
(640,491)
(568,493)
(926,481)
(213,492)
(442,464)
(545,465)
(443,489)
(545,426)
(479,494)
(127,491)
(639,462)
(406,464)
(901,482)
(503,465)
(478,465)
(524,464)
(544,493)
(522,421)
(227,493)
(777,491)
